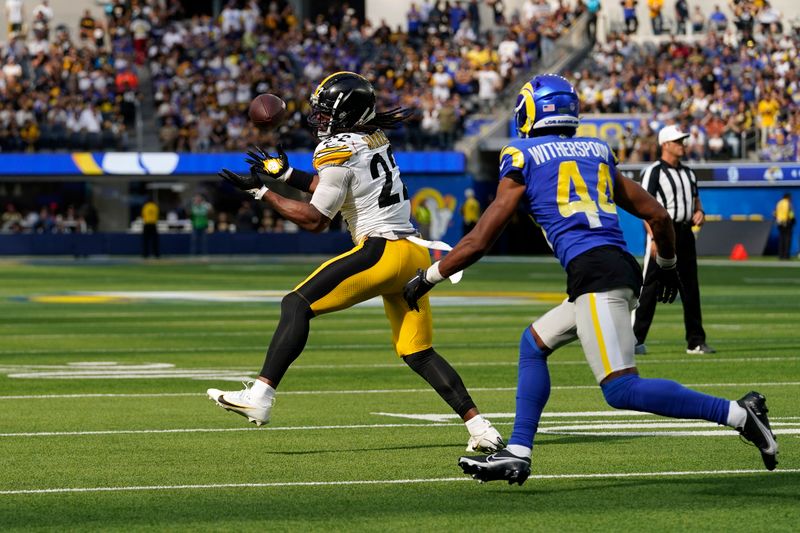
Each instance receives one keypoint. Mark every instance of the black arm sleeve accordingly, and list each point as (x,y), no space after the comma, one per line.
(300,180)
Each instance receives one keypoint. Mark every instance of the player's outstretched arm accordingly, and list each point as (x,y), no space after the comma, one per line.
(634,199)
(303,214)
(471,247)
(477,242)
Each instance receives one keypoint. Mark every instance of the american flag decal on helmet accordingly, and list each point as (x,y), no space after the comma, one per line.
(548,107)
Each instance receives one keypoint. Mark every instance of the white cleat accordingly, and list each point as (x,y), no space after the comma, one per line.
(485,440)
(242,402)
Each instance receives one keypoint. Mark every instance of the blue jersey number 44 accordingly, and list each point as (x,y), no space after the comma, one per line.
(569,177)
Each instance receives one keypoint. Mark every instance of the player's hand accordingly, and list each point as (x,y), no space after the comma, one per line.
(416,288)
(272,166)
(668,284)
(251,184)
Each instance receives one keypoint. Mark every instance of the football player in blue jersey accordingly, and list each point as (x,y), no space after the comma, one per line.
(571,187)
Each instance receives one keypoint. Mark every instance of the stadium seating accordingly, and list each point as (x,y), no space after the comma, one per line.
(736,90)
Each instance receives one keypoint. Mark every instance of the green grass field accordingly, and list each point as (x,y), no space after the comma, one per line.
(105,425)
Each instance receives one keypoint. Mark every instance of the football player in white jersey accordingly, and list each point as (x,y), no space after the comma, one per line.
(356,174)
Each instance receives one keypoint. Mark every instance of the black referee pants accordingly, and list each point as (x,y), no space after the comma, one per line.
(690,293)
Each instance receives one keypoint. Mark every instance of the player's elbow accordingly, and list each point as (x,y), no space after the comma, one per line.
(317,226)
(659,217)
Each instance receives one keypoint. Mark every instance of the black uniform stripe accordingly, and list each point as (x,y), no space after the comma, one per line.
(333,274)
(650,178)
(672,193)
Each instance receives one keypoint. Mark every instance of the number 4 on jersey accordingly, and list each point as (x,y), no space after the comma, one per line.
(569,177)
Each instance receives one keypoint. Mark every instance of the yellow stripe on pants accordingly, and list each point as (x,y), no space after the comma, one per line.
(598,333)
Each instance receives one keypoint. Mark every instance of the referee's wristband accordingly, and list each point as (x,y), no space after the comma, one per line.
(666,263)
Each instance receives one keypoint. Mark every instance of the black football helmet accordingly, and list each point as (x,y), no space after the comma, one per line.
(342,101)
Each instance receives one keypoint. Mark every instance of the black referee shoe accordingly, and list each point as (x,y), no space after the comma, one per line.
(498,466)
(756,428)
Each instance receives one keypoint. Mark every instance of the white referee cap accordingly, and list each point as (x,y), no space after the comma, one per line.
(670,133)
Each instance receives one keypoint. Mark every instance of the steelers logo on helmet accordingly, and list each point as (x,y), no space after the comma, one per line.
(546,101)
(342,101)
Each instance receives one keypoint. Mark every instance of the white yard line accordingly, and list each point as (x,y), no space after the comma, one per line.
(365,391)
(610,475)
(720,431)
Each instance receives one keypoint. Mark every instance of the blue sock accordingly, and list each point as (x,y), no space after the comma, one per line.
(533,390)
(664,397)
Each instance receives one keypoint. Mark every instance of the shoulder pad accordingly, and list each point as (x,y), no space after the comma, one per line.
(513,155)
(335,150)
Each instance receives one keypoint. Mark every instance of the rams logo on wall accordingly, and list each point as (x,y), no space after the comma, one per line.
(432,212)
(126,163)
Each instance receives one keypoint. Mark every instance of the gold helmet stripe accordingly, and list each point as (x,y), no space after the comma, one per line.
(319,87)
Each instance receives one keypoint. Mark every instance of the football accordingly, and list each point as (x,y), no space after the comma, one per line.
(267,110)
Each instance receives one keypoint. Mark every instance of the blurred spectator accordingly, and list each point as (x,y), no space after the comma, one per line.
(785,219)
(441,82)
(681,16)
(87,26)
(717,21)
(698,20)
(629,16)
(71,221)
(14,16)
(11,219)
(44,10)
(696,144)
(489,84)
(168,135)
(470,211)
(223,224)
(768,108)
(592,9)
(200,213)
(656,18)
(246,218)
(150,239)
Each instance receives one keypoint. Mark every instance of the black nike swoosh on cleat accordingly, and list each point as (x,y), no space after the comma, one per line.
(225,402)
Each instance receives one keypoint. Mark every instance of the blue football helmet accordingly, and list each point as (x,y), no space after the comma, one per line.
(547,101)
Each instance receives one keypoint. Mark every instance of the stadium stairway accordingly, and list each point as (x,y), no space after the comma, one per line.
(481,149)
(146,124)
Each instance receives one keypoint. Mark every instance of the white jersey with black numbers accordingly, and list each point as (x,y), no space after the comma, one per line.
(358,176)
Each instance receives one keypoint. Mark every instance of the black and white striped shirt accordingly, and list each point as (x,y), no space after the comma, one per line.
(674,187)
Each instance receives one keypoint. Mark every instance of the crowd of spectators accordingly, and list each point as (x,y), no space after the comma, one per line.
(76,87)
(735,88)
(444,65)
(50,218)
(67,88)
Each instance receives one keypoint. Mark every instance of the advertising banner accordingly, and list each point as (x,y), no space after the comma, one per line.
(175,164)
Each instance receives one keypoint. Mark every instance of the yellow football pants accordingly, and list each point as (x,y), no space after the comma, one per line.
(375,267)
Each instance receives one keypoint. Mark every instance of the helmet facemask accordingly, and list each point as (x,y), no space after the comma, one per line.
(342,102)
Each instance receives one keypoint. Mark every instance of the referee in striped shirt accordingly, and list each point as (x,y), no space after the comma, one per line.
(675,187)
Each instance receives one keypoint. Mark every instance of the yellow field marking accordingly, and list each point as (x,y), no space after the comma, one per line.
(77,299)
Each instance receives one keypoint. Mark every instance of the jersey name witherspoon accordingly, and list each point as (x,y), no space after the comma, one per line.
(569,191)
